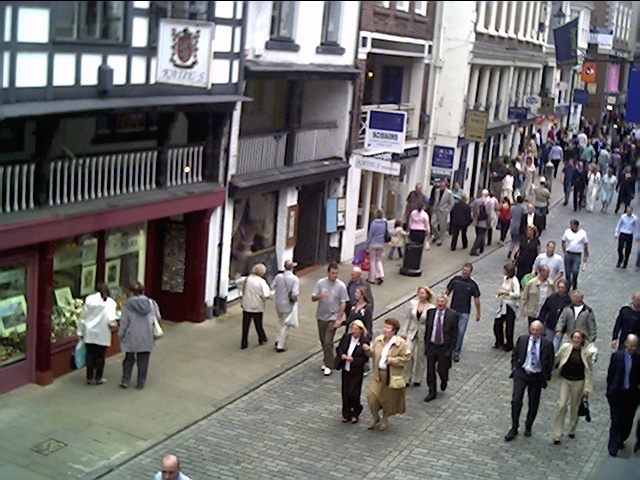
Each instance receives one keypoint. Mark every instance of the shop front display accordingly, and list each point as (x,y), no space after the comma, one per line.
(13,315)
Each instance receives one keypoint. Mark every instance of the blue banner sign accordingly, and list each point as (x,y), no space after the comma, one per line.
(518,113)
(442,157)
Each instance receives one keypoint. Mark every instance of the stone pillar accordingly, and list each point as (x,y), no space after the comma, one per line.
(473,86)
(493,17)
(482,11)
(493,93)
(513,13)
(483,87)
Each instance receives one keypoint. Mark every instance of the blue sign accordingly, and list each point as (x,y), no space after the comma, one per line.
(443,157)
(632,113)
(389,121)
(580,96)
(562,110)
(518,113)
(566,42)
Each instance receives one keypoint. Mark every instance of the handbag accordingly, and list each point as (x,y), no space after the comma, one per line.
(292,318)
(157,329)
(80,354)
(583,410)
(387,235)
(397,382)
(365,264)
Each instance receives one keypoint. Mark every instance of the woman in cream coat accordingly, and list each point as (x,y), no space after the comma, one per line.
(390,354)
(574,368)
(413,331)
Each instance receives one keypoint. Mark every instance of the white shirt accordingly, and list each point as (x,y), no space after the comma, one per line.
(627,224)
(533,351)
(382,365)
(352,346)
(576,311)
(575,241)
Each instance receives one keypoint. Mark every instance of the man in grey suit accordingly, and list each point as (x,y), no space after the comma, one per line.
(439,339)
(441,204)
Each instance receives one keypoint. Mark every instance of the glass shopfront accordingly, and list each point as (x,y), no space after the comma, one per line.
(13,314)
(77,270)
(254,232)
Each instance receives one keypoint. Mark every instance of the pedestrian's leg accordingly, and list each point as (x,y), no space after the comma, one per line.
(127,367)
(262,336)
(498,332)
(455,231)
(620,250)
(329,333)
(576,199)
(463,236)
(322,329)
(614,433)
(246,323)
(533,392)
(284,331)
(390,256)
(463,321)
(628,242)
(143,368)
(577,389)
(519,385)
(510,322)
(373,266)
(400,254)
(412,348)
(489,235)
(561,413)
(443,367)
(431,372)
(346,410)
(90,361)
(420,363)
(101,352)
(377,253)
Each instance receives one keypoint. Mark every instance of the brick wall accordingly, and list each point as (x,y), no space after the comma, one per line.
(375,18)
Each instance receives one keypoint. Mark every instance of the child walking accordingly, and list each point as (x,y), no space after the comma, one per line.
(398,237)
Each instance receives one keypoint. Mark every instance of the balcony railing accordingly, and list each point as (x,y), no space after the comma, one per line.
(265,151)
(80,179)
(261,152)
(403,107)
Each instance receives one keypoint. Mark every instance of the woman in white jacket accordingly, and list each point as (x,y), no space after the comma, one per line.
(504,323)
(94,327)
(255,293)
(413,330)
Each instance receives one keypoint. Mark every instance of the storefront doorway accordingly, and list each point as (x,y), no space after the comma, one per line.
(18,311)
(311,247)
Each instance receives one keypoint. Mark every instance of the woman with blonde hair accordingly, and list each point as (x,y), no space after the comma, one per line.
(255,293)
(413,330)
(351,359)
(574,367)
(529,171)
(386,386)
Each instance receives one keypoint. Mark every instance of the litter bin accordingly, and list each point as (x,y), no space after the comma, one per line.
(548,173)
(412,260)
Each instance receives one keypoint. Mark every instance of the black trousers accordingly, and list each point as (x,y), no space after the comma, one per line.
(457,230)
(438,357)
(500,324)
(504,228)
(246,323)
(351,390)
(623,200)
(478,244)
(95,361)
(623,408)
(142,360)
(578,198)
(533,384)
(625,241)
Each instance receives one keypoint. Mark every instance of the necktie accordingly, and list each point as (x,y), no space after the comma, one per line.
(439,340)
(534,354)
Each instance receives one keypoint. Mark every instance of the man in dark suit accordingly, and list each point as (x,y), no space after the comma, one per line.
(531,364)
(439,339)
(623,379)
(530,217)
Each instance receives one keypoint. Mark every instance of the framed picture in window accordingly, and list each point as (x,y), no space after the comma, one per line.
(292,226)
(13,315)
(88,280)
(64,297)
(112,273)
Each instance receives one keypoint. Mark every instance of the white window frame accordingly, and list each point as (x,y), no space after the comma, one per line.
(420,8)
(403,6)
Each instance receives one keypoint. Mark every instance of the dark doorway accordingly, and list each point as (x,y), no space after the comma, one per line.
(391,88)
(311,246)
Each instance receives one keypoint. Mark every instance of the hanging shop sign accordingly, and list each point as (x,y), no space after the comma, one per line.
(377,165)
(386,130)
(546,105)
(518,113)
(476,125)
(185,52)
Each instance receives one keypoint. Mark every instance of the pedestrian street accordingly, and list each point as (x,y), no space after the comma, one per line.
(290,427)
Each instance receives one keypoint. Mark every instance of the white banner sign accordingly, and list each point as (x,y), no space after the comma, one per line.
(185,52)
(385,130)
(377,165)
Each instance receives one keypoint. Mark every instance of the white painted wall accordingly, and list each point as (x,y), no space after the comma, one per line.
(286,197)
(307,33)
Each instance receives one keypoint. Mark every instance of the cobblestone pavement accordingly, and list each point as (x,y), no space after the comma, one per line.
(290,428)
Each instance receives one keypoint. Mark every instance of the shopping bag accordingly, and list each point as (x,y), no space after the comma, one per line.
(365,264)
(292,318)
(80,354)
(357,258)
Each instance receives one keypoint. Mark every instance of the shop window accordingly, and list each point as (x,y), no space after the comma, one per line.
(124,255)
(13,314)
(180,10)
(254,229)
(125,127)
(89,21)
(11,136)
(331,23)
(74,277)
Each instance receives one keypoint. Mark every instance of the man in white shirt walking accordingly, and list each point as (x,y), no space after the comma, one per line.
(626,228)
(552,260)
(575,246)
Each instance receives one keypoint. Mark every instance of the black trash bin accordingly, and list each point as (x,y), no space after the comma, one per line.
(412,259)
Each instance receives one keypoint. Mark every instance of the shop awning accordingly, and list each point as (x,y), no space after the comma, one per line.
(498,126)
(41,225)
(296,175)
(57,107)
(297,71)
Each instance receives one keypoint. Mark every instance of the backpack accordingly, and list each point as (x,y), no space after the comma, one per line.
(482,212)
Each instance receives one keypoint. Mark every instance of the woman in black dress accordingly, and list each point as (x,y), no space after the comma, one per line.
(526,252)
(361,310)
(351,358)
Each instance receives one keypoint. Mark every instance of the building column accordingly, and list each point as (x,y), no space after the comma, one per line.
(504,11)
(493,93)
(529,9)
(513,13)
(504,92)
(523,8)
(493,17)
(483,87)
(521,84)
(527,84)
(537,8)
(473,87)
(482,11)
